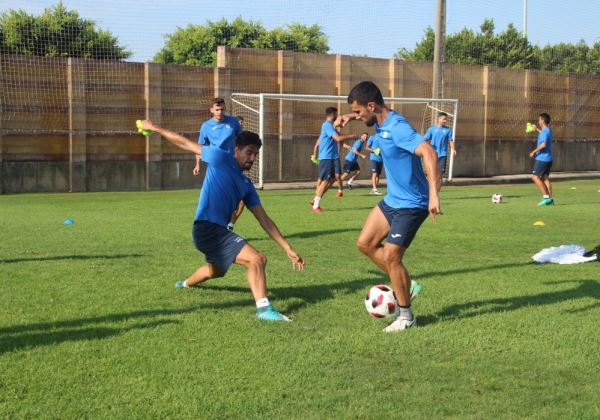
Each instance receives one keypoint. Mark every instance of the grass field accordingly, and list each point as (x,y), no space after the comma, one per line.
(91,325)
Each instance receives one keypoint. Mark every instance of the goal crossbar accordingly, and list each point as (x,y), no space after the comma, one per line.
(261,97)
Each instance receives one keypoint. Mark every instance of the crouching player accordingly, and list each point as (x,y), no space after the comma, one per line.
(223,188)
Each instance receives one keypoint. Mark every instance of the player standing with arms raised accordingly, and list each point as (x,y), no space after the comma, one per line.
(223,187)
(410,198)
(220,131)
(543,158)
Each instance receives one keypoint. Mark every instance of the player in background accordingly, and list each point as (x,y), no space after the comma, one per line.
(376,163)
(240,121)
(351,165)
(440,136)
(221,131)
(410,198)
(543,158)
(224,186)
(314,160)
(329,158)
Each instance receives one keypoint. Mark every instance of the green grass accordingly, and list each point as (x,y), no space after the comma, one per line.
(91,325)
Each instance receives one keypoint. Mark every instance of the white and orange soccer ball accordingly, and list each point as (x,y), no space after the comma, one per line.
(497,198)
(381,302)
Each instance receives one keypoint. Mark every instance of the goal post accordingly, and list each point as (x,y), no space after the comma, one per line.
(289,125)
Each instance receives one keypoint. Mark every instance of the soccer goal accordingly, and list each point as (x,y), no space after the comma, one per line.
(289,125)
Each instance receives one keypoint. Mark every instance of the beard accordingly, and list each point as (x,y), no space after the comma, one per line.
(371,121)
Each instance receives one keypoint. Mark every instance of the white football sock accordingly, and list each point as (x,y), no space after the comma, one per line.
(262,303)
(317,202)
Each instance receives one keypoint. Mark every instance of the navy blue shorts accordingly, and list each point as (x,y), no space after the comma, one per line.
(541,168)
(376,167)
(220,246)
(442,164)
(328,169)
(350,166)
(404,223)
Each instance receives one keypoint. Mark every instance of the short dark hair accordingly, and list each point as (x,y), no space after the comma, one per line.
(546,117)
(246,138)
(365,92)
(442,114)
(330,110)
(364,132)
(217,101)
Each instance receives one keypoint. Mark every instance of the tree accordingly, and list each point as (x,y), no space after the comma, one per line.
(506,49)
(509,49)
(197,44)
(58,32)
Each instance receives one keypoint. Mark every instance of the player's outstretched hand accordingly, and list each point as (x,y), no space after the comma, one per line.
(196,170)
(342,120)
(149,125)
(297,260)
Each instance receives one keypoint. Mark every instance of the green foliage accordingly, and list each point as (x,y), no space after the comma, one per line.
(509,49)
(197,44)
(58,32)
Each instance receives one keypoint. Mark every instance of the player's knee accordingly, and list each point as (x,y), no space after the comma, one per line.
(215,272)
(391,256)
(364,246)
(259,259)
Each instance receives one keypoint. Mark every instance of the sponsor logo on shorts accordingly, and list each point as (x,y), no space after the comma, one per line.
(396,235)
(238,240)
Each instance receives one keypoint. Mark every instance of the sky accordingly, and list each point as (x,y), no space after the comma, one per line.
(372,28)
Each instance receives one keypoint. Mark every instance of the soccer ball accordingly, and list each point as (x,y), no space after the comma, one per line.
(381,302)
(497,198)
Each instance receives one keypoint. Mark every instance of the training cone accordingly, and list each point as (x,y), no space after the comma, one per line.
(69,222)
(573,188)
(539,223)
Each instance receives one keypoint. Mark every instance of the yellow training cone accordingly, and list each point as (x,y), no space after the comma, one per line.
(539,223)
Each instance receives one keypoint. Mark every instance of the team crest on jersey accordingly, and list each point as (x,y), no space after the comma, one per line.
(385,134)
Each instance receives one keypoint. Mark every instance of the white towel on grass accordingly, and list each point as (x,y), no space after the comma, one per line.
(564,254)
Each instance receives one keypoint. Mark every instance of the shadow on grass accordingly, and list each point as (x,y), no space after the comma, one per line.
(442,273)
(584,289)
(70,257)
(49,333)
(301,296)
(310,234)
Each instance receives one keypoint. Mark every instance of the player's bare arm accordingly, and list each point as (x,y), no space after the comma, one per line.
(357,153)
(271,228)
(173,137)
(537,149)
(430,160)
(340,138)
(344,119)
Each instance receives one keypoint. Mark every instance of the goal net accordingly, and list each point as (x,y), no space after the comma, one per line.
(290,124)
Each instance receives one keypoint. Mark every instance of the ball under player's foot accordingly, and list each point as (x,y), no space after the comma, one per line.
(269,314)
(401,324)
(339,194)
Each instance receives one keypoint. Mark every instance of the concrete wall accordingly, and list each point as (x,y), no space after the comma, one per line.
(68,124)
